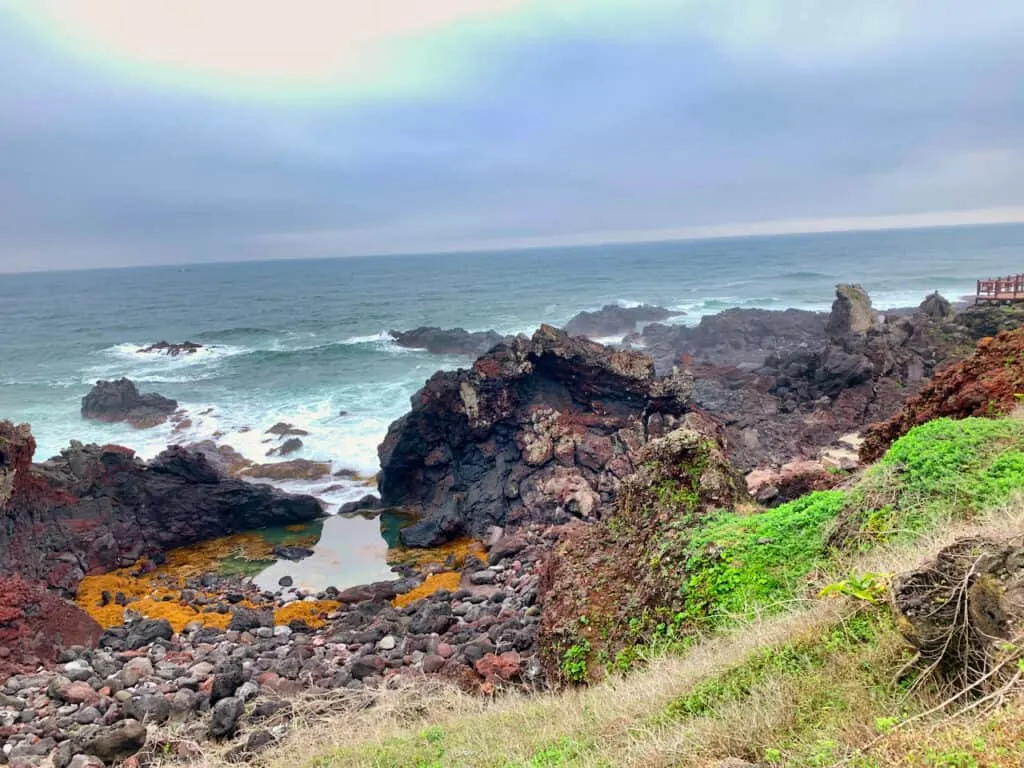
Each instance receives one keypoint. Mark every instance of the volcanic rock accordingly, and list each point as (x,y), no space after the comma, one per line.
(94,509)
(293,469)
(851,312)
(113,401)
(742,337)
(36,624)
(539,429)
(172,350)
(606,570)
(616,320)
(987,383)
(284,429)
(448,341)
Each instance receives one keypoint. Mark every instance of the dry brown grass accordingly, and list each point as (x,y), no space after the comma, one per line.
(619,722)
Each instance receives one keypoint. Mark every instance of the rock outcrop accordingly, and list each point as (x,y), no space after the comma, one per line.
(36,624)
(625,573)
(171,349)
(851,312)
(448,341)
(803,399)
(93,508)
(615,320)
(988,383)
(735,337)
(120,400)
(539,429)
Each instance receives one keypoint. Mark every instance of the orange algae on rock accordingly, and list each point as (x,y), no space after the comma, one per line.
(448,580)
(157,595)
(451,554)
(311,612)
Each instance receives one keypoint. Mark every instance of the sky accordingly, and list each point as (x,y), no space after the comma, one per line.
(187,131)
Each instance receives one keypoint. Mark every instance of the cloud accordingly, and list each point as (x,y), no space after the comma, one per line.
(554,123)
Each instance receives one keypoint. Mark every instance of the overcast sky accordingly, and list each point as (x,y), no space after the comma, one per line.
(312,128)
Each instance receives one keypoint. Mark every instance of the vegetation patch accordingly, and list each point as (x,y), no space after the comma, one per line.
(737,562)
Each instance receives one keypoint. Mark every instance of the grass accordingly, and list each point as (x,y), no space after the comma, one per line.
(788,678)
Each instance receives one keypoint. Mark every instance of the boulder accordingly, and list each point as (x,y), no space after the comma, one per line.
(616,320)
(451,341)
(113,744)
(538,429)
(225,716)
(120,400)
(851,312)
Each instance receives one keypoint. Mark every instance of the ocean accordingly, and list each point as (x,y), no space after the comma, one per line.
(304,340)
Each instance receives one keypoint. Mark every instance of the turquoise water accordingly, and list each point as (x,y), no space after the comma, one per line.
(300,341)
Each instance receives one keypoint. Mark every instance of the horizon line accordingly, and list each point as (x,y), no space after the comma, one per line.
(909,222)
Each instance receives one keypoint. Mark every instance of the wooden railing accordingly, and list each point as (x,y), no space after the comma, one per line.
(1009,288)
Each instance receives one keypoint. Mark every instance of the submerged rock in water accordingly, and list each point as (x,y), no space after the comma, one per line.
(448,341)
(173,350)
(539,429)
(292,553)
(120,400)
(293,469)
(284,429)
(615,320)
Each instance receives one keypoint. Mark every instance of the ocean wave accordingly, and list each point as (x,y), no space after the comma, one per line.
(132,352)
(381,337)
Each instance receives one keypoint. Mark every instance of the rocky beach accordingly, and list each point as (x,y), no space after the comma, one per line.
(118,616)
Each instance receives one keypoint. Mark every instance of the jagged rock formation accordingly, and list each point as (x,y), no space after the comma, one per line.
(735,337)
(988,383)
(121,401)
(450,341)
(851,312)
(93,508)
(964,612)
(989,319)
(171,349)
(805,398)
(538,429)
(631,565)
(614,320)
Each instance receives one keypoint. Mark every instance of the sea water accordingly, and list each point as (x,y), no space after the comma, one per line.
(307,341)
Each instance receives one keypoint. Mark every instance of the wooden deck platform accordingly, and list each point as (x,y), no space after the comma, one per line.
(1005,290)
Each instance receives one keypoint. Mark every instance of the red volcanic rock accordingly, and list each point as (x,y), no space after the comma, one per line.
(988,383)
(35,624)
(93,509)
(505,667)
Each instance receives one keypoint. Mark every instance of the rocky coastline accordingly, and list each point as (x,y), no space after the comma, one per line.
(497,468)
